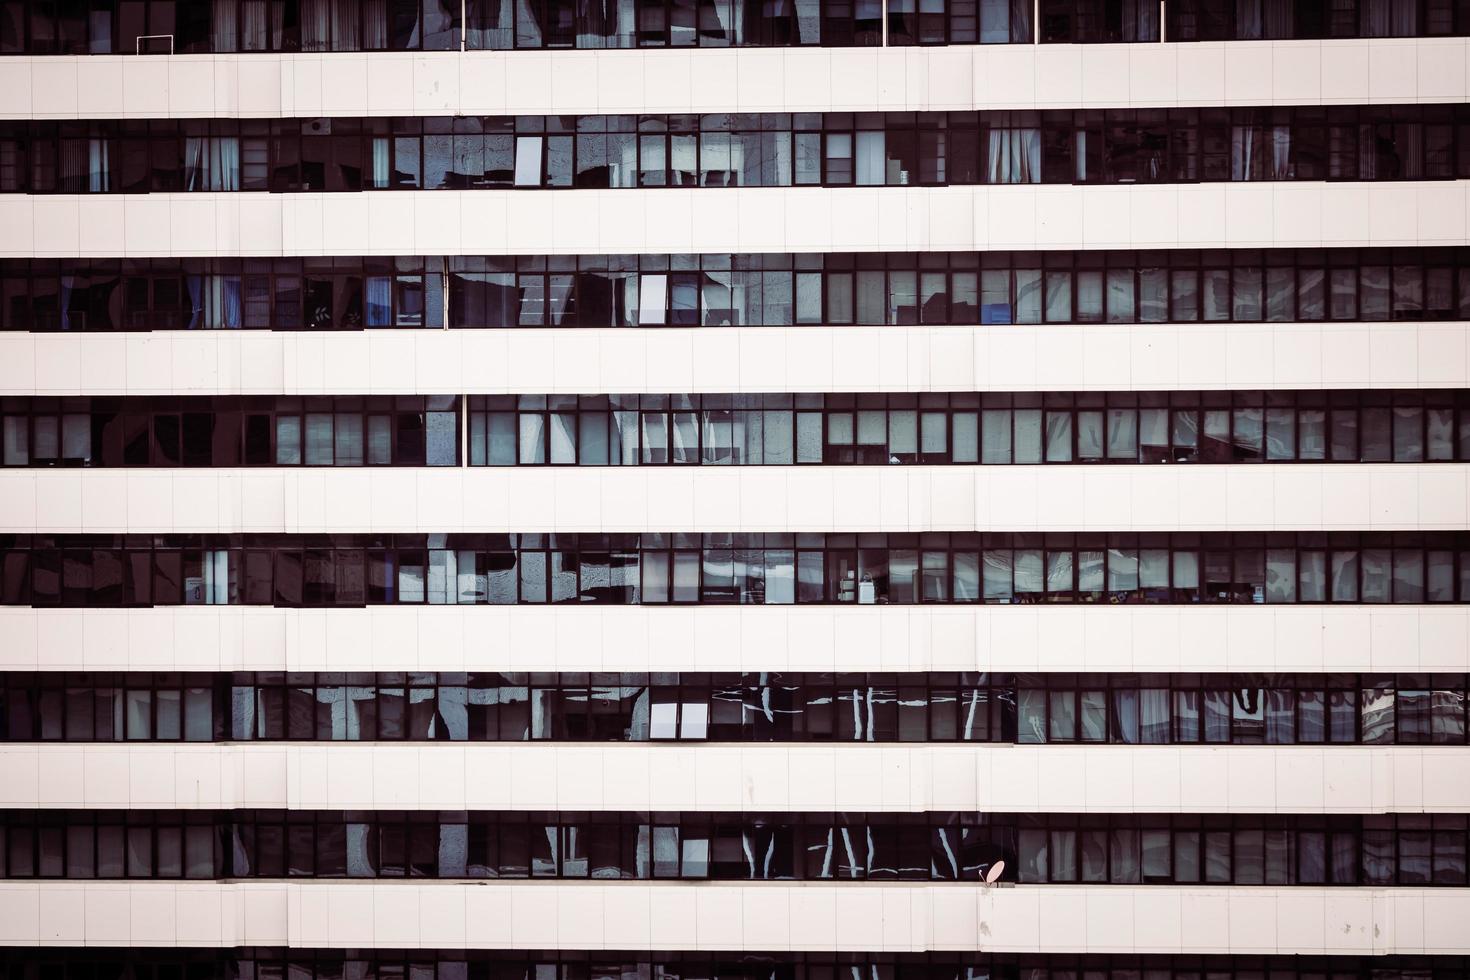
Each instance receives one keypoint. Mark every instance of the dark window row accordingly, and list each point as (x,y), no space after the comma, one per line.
(717,290)
(1127,849)
(834,149)
(194,26)
(1243,20)
(175,26)
(772,569)
(746,430)
(201,26)
(261,963)
(228,430)
(1060,708)
(1055,427)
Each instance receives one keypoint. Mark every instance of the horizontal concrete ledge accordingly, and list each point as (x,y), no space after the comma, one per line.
(742,219)
(1267,639)
(404,83)
(730,916)
(661,360)
(739,777)
(1285,497)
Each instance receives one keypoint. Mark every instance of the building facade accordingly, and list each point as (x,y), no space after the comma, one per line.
(800,490)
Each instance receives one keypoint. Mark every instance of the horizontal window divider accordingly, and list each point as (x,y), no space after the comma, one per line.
(1325,288)
(772,429)
(737,707)
(249,963)
(1224,568)
(608,847)
(594,778)
(156,29)
(1119,146)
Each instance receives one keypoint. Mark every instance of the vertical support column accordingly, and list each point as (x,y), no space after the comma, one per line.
(1036,21)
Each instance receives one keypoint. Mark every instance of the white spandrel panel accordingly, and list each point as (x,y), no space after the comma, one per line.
(585,361)
(770,219)
(734,916)
(571,637)
(297,500)
(756,777)
(959,77)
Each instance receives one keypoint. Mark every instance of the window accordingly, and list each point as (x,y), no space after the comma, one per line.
(782,707)
(1036,848)
(344,154)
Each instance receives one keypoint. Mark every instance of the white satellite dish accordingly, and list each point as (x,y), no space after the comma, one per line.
(996,870)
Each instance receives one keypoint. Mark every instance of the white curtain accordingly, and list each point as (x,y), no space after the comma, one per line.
(97,166)
(316,25)
(1280,19)
(214,302)
(869,161)
(224,298)
(212,163)
(216,577)
(225,163)
(195,286)
(1280,152)
(223,25)
(1405,18)
(194,163)
(1248,22)
(74,163)
(1260,152)
(221,298)
(254,34)
(379,297)
(382,172)
(1408,140)
(1243,158)
(346,23)
(68,285)
(1389,18)
(1014,156)
(374,26)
